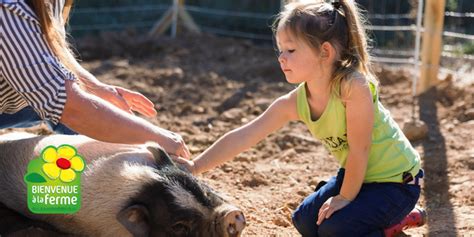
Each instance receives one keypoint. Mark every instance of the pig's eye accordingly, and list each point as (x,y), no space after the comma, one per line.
(181,228)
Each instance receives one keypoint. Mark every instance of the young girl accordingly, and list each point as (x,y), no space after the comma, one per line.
(322,47)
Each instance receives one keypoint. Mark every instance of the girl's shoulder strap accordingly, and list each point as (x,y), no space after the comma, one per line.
(301,102)
(373,91)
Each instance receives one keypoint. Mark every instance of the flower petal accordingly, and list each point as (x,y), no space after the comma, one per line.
(50,155)
(67,175)
(77,163)
(66,151)
(51,170)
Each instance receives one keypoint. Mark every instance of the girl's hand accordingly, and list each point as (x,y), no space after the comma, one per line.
(332,205)
(186,163)
(124,99)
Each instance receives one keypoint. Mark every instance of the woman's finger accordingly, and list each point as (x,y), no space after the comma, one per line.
(120,102)
(142,110)
(138,101)
(146,109)
(135,96)
(186,152)
(186,149)
(179,159)
(182,152)
(145,101)
(138,97)
(146,106)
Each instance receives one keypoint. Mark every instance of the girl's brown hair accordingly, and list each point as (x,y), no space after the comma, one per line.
(340,24)
(53,30)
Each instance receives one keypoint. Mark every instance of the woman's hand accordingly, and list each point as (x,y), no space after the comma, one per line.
(137,101)
(174,144)
(332,205)
(125,99)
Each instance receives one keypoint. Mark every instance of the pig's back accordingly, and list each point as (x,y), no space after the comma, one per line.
(18,149)
(14,158)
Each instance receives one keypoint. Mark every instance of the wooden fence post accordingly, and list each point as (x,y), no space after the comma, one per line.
(431,44)
(170,18)
(174,22)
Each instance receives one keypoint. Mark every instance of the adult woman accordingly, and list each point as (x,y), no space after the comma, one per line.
(41,80)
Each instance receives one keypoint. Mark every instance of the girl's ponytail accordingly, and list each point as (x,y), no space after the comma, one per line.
(357,41)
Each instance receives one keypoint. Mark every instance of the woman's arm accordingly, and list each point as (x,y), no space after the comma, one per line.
(232,143)
(90,115)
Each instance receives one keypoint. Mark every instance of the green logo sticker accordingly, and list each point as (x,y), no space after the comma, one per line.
(54,181)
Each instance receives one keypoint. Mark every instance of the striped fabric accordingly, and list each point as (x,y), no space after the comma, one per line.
(30,74)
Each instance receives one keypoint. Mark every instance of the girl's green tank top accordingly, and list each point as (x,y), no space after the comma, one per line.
(390,155)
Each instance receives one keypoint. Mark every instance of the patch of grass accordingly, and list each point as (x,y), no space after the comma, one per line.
(468,48)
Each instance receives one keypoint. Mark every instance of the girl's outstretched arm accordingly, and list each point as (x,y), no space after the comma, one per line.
(240,139)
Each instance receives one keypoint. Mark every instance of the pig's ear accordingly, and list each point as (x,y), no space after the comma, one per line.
(135,219)
(161,157)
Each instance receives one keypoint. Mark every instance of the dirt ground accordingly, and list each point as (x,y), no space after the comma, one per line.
(204,86)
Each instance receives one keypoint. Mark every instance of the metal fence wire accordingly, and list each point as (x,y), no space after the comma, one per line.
(394,34)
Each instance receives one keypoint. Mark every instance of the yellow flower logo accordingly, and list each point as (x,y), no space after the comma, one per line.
(62,162)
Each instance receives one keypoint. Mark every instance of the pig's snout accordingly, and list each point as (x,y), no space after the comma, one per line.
(234,223)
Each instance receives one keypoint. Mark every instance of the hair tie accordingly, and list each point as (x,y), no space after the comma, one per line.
(336,4)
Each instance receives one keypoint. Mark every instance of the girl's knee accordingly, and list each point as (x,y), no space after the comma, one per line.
(329,228)
(297,217)
(304,222)
(337,226)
